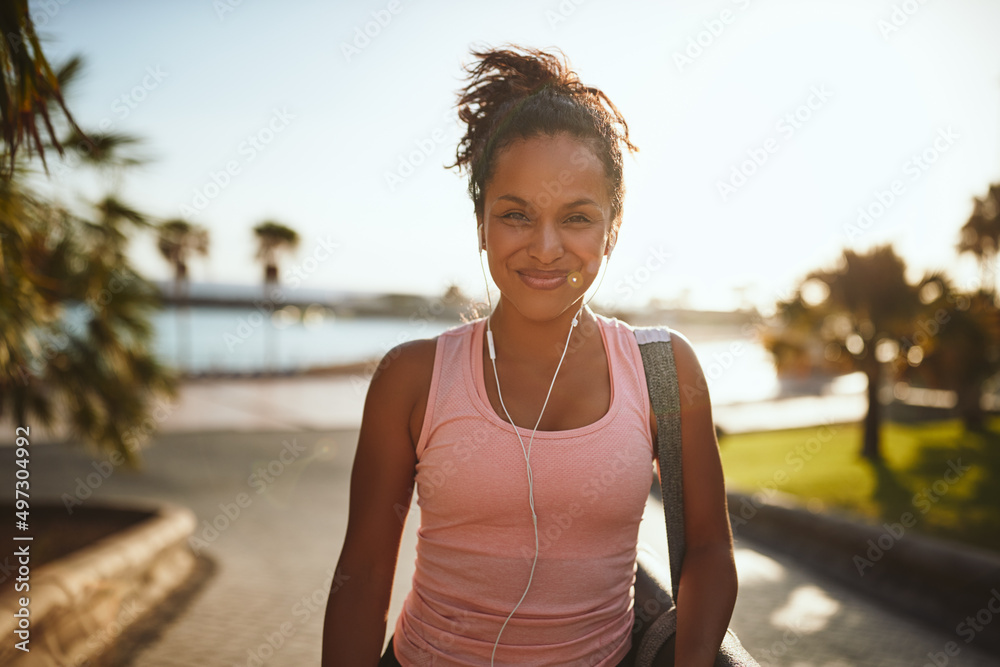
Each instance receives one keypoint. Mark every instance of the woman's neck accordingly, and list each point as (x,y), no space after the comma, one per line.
(534,341)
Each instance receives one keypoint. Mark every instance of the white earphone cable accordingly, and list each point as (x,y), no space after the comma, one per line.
(527,452)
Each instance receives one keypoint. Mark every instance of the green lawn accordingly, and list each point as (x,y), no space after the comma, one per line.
(949,480)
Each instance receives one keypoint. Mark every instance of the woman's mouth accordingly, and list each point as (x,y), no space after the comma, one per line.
(544,280)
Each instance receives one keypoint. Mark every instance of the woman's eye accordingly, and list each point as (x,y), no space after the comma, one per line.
(579,218)
(510,215)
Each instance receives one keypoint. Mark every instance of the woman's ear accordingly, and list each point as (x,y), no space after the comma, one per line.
(612,237)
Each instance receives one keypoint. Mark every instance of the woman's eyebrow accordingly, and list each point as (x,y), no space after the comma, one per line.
(582,202)
(578,202)
(513,198)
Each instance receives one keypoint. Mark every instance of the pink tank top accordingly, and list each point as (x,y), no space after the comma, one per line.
(476,541)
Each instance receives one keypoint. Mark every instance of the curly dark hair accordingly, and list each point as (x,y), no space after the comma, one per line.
(521,92)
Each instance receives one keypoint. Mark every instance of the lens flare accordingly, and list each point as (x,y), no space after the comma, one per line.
(575,278)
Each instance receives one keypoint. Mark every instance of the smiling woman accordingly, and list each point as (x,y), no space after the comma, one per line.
(521,558)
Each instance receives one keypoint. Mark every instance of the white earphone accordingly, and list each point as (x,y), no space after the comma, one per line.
(527,452)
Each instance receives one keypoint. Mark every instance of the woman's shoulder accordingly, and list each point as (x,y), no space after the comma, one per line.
(688,366)
(642,332)
(409,365)
(409,369)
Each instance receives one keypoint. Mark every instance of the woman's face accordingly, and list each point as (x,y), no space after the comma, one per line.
(547,221)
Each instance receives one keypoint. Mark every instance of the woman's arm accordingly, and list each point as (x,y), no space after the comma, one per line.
(706,592)
(381,490)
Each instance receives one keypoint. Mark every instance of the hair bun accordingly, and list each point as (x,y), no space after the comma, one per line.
(522,73)
(517,92)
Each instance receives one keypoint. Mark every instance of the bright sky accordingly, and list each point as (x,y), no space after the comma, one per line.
(839,101)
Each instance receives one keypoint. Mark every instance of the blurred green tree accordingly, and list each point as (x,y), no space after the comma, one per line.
(955,346)
(857,313)
(29,88)
(74,314)
(980,235)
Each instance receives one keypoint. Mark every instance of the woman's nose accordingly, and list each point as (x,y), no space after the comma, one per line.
(546,243)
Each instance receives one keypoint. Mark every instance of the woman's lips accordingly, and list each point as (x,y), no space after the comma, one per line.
(544,280)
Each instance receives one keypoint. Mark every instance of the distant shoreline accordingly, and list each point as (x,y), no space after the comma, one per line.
(335,370)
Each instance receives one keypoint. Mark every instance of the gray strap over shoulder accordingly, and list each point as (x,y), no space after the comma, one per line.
(657,352)
(664,394)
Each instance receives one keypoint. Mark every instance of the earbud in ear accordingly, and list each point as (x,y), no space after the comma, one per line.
(479,236)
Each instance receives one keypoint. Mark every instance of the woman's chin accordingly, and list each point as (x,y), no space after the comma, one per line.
(544,306)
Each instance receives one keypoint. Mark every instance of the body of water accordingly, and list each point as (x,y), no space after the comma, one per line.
(242,340)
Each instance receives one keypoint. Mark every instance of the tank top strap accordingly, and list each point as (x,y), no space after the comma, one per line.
(623,347)
(450,360)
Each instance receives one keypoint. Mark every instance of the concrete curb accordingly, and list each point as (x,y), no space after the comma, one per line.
(948,585)
(80,604)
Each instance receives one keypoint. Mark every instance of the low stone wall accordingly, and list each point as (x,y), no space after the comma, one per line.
(80,604)
(952,586)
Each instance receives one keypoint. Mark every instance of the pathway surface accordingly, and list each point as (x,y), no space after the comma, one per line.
(274,561)
(307,403)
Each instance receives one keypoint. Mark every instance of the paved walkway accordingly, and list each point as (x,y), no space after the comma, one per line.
(308,403)
(264,605)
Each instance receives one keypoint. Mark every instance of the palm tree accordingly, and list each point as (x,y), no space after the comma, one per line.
(868,305)
(272,238)
(110,154)
(958,347)
(111,224)
(981,235)
(176,240)
(54,264)
(102,371)
(29,88)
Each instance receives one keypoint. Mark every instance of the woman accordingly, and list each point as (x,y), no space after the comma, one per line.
(527,556)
